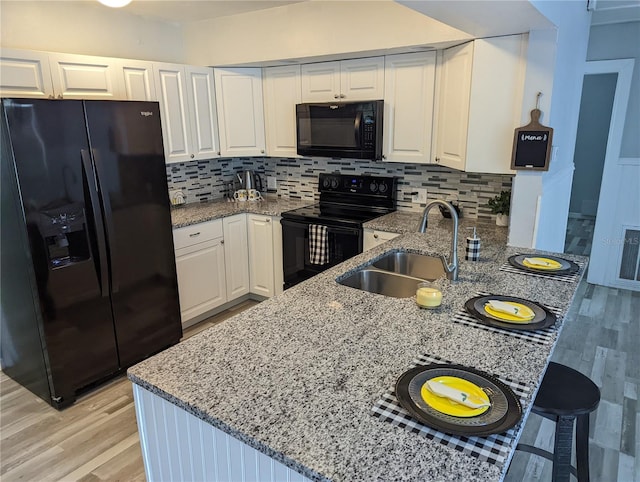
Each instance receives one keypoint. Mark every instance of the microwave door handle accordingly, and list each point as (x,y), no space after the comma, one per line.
(357,124)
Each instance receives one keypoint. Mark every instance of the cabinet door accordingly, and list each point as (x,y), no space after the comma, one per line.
(236,255)
(282,91)
(260,234)
(373,238)
(240,111)
(453,106)
(362,79)
(201,278)
(170,88)
(25,73)
(496,88)
(86,77)
(202,109)
(408,104)
(138,80)
(321,82)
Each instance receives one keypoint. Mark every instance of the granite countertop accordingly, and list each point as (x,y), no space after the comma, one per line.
(296,376)
(193,213)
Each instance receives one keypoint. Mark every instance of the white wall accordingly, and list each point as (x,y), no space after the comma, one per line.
(87,28)
(622,41)
(309,29)
(545,228)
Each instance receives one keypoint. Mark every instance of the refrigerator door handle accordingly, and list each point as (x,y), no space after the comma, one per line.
(108,217)
(92,183)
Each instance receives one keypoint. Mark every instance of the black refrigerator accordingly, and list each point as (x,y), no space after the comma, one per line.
(88,277)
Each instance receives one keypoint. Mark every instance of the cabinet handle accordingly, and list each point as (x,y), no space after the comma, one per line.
(192,156)
(342,96)
(336,96)
(268,220)
(262,151)
(193,235)
(59,96)
(437,159)
(222,241)
(375,236)
(383,156)
(218,152)
(51,96)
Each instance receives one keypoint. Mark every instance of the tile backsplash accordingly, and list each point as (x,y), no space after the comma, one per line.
(202,181)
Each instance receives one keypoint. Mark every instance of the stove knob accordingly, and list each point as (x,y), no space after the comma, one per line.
(326,183)
(334,183)
(373,187)
(383,187)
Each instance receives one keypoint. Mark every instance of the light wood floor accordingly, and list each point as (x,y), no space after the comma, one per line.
(96,438)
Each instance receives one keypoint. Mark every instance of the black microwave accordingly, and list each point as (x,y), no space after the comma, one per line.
(340,129)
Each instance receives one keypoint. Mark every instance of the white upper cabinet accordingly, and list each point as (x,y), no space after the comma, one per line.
(240,111)
(202,109)
(25,74)
(138,80)
(86,77)
(282,91)
(479,103)
(408,107)
(344,80)
(171,91)
(187,106)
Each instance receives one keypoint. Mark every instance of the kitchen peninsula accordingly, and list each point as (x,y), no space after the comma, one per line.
(293,380)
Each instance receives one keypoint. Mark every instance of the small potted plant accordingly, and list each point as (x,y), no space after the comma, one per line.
(500,205)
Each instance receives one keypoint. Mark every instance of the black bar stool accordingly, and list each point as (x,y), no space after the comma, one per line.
(566,395)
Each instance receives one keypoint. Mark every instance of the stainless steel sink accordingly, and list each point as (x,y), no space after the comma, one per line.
(383,283)
(417,265)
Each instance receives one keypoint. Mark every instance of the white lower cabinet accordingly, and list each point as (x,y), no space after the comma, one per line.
(236,255)
(265,254)
(200,266)
(373,237)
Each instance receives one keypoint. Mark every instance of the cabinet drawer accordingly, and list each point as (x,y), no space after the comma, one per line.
(197,233)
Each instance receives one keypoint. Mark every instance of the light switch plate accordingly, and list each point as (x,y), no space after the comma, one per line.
(271,182)
(421,197)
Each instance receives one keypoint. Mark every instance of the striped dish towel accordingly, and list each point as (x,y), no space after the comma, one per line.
(318,244)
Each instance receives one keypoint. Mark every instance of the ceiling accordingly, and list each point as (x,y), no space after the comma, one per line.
(191,10)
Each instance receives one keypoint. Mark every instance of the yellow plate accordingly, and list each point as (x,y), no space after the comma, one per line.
(449,407)
(525,310)
(553,264)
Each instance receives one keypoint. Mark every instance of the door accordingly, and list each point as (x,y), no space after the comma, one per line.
(282,91)
(260,238)
(172,95)
(138,80)
(126,145)
(25,74)
(202,110)
(408,104)
(236,255)
(66,244)
(362,79)
(240,111)
(615,255)
(85,77)
(453,106)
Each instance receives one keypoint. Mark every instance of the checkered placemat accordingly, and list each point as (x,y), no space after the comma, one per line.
(542,337)
(493,449)
(569,278)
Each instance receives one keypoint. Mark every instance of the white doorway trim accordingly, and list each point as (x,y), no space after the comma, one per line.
(604,255)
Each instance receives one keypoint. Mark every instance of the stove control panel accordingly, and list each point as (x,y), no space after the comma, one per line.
(365,185)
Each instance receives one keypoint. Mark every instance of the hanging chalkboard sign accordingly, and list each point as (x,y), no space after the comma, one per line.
(532,145)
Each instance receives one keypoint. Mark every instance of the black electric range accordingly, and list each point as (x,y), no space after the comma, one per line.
(320,236)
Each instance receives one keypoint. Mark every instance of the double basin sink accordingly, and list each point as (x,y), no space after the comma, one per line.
(396,274)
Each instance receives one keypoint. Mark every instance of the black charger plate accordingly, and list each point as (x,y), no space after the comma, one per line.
(543,317)
(567,267)
(501,396)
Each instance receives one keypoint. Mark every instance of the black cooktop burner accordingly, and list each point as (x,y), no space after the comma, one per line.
(350,214)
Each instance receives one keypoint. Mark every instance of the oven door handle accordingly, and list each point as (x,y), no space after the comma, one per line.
(331,229)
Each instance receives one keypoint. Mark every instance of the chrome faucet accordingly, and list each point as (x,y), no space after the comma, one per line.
(452,266)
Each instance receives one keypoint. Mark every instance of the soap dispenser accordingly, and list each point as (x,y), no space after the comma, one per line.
(473,247)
